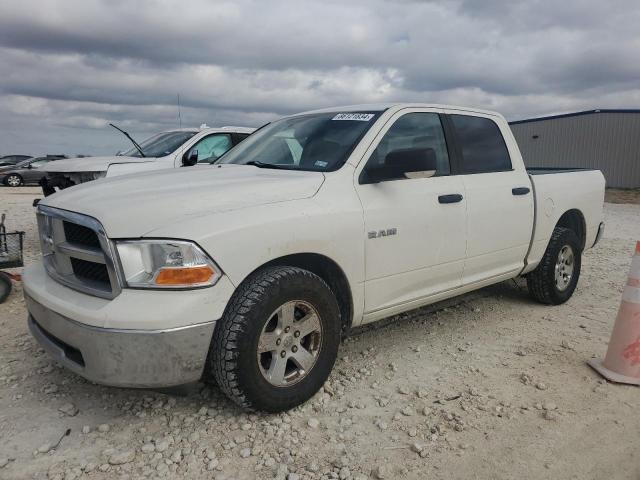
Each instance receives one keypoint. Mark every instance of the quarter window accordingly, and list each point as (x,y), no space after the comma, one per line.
(482,145)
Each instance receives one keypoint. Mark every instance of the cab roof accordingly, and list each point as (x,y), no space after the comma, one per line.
(380,107)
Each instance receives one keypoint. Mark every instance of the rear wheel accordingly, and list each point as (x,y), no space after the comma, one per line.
(13,180)
(277,341)
(5,287)
(556,277)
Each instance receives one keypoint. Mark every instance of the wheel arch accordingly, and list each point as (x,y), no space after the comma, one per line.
(329,271)
(574,220)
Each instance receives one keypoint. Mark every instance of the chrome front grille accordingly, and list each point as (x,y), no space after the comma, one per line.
(77,253)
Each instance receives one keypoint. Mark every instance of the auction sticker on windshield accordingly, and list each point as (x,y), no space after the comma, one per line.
(361,117)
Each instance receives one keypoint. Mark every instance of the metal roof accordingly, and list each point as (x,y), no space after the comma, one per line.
(575,114)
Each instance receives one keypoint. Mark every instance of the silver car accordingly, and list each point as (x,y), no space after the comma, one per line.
(27,172)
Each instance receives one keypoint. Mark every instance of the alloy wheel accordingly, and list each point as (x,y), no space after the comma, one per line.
(564,268)
(289,343)
(13,181)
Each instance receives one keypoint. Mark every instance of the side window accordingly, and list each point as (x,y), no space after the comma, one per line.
(212,147)
(412,139)
(483,148)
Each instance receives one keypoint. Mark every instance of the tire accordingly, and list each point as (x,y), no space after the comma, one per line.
(13,180)
(542,283)
(253,321)
(5,287)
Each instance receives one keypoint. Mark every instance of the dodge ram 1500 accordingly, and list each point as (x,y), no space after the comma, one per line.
(248,272)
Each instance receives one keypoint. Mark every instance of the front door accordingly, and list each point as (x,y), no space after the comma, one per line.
(415,225)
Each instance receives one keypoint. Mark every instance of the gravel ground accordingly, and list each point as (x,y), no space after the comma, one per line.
(490,386)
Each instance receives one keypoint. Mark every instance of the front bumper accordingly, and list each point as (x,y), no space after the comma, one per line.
(141,338)
(124,358)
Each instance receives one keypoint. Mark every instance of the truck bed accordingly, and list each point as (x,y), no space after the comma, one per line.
(579,189)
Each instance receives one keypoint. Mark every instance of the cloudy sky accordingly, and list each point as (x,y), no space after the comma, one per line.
(69,67)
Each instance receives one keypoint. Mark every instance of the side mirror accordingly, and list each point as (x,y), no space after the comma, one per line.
(402,163)
(30,166)
(190,158)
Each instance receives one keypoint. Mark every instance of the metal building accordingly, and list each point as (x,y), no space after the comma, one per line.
(608,140)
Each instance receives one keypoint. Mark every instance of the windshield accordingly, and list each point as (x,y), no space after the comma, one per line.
(161,144)
(316,142)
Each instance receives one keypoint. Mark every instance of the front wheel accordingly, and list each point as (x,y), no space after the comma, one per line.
(13,180)
(555,279)
(277,341)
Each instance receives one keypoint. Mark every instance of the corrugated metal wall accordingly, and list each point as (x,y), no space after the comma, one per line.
(607,141)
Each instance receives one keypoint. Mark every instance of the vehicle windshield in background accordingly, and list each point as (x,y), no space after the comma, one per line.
(161,144)
(316,142)
(24,163)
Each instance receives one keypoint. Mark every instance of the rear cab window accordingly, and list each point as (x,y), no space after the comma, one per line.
(481,144)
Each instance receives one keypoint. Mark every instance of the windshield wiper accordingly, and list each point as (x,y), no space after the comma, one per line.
(135,144)
(256,163)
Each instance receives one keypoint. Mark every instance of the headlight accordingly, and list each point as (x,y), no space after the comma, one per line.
(166,264)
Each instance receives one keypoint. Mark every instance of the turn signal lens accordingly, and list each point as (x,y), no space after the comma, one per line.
(184,276)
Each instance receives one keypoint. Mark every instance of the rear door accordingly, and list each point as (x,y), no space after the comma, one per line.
(415,226)
(498,194)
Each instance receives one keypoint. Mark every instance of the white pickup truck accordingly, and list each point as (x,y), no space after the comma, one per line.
(183,147)
(248,272)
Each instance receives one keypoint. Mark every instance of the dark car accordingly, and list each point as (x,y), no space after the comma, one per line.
(13,159)
(26,172)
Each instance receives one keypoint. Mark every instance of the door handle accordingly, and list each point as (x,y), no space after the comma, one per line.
(451,198)
(520,190)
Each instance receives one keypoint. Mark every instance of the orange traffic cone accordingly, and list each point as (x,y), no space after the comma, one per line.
(622,362)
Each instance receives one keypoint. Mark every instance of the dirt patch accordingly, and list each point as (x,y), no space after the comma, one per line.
(616,195)
(495,386)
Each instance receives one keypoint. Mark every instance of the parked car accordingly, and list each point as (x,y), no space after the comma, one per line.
(249,272)
(171,149)
(13,159)
(27,172)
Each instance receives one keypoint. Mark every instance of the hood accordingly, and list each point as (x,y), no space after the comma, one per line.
(90,164)
(134,205)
